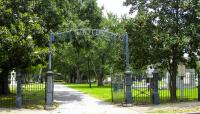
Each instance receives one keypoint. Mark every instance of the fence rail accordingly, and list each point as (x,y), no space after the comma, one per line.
(32,92)
(9,100)
(144,88)
(186,88)
(117,88)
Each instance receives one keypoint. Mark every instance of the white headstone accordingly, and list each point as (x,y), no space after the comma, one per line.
(150,72)
(13,78)
(180,77)
(190,78)
(165,80)
(181,70)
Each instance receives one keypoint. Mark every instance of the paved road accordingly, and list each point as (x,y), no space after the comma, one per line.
(74,102)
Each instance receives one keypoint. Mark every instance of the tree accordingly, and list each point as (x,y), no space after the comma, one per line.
(85,14)
(140,31)
(91,12)
(15,42)
(24,29)
(174,30)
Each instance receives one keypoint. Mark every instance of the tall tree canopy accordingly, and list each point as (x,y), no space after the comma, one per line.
(25,27)
(171,29)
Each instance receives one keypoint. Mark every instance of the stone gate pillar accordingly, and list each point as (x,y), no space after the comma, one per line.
(155,94)
(49,79)
(49,90)
(19,89)
(198,85)
(128,89)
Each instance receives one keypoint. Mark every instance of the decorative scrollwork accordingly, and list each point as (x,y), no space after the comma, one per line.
(69,35)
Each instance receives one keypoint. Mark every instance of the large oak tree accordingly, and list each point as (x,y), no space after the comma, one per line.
(166,30)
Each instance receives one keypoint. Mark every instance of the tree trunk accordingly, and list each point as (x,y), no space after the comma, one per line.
(89,78)
(71,76)
(65,78)
(78,79)
(4,88)
(71,79)
(173,73)
(40,76)
(100,77)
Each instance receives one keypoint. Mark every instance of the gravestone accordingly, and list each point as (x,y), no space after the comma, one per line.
(180,77)
(165,81)
(107,80)
(13,81)
(189,79)
(149,71)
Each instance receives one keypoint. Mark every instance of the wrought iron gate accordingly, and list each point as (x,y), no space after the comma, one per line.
(117,87)
(141,89)
(9,100)
(28,89)
(33,90)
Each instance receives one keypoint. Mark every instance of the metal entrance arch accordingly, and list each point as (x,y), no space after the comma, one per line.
(58,37)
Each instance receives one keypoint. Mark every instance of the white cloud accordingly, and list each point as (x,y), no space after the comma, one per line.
(115,7)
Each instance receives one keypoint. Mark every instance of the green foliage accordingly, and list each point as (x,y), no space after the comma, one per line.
(198,66)
(162,32)
(91,12)
(21,32)
(99,52)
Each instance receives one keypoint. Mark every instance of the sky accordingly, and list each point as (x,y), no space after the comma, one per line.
(114,6)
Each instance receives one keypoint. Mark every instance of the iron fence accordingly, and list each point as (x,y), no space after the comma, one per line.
(117,88)
(186,87)
(32,92)
(143,87)
(141,90)
(10,99)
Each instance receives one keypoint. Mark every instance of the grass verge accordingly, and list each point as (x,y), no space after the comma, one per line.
(100,92)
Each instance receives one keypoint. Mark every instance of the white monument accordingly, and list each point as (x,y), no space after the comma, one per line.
(150,70)
(180,79)
(165,81)
(189,79)
(13,81)
(180,76)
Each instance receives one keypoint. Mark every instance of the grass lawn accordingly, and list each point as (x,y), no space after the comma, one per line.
(140,96)
(33,95)
(102,92)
